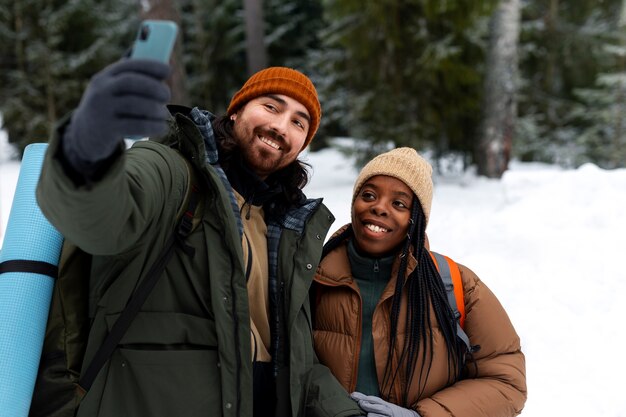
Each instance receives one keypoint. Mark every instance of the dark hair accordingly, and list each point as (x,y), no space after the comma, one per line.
(424,288)
(291,178)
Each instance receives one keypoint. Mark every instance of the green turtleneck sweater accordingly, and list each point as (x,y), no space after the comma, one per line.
(372,275)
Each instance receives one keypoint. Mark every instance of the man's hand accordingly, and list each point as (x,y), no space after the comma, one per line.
(377,407)
(126,98)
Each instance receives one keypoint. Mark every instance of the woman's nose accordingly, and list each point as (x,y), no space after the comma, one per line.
(379,208)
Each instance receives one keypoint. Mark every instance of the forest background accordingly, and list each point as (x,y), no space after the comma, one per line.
(479,82)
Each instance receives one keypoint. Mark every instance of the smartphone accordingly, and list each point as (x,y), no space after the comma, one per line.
(155,40)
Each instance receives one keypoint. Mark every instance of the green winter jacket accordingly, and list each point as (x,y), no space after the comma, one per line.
(187,353)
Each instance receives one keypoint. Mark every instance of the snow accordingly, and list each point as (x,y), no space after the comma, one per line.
(547,241)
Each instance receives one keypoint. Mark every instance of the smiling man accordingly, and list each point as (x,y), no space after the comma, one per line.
(225,332)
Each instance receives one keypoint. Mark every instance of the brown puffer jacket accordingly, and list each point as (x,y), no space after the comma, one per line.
(496,382)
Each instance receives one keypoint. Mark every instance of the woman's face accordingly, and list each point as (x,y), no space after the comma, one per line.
(381,214)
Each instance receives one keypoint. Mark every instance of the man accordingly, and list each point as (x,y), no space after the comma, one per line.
(227,331)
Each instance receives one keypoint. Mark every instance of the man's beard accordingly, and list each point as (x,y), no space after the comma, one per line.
(259,157)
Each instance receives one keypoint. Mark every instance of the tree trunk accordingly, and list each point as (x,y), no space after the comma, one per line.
(255,34)
(168,10)
(19,43)
(500,103)
(551,20)
(51,111)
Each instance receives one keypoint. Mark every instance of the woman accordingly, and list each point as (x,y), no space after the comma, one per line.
(382,320)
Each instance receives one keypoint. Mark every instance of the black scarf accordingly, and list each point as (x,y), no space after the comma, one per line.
(247,183)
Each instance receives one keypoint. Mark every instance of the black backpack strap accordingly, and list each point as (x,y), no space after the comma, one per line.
(34,267)
(125,319)
(123,322)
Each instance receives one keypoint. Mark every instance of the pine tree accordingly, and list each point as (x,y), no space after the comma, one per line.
(292,32)
(406,72)
(215,44)
(52,49)
(602,139)
(562,53)
(214,51)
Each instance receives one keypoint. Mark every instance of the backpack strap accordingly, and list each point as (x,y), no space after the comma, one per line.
(138,298)
(451,277)
(34,267)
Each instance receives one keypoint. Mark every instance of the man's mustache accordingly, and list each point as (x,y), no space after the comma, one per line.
(273,135)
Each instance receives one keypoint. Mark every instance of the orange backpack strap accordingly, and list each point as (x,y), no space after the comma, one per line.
(451,277)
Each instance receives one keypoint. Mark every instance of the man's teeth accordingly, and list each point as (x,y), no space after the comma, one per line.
(269,142)
(376,229)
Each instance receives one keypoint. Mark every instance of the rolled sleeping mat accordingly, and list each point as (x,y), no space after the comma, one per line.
(28,267)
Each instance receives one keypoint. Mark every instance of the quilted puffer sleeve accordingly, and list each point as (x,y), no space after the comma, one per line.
(496,384)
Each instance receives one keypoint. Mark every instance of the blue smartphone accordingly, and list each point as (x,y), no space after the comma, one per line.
(155,40)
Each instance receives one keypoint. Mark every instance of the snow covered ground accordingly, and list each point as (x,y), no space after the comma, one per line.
(547,241)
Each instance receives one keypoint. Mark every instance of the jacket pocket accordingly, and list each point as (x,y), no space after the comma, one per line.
(166,365)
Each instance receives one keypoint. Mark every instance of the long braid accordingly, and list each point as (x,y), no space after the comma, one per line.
(424,289)
(418,313)
(390,374)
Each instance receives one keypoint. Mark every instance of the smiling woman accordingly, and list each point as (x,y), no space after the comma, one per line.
(385,322)
(380,215)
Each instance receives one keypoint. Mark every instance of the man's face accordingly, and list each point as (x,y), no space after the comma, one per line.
(271,131)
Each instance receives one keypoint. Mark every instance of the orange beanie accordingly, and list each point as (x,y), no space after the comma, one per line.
(281,80)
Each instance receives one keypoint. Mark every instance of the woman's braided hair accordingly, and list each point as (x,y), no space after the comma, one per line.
(425,292)
(424,289)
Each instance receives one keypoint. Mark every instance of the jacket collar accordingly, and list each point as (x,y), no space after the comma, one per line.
(335,269)
(363,266)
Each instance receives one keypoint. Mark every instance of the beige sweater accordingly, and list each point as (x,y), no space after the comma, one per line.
(254,241)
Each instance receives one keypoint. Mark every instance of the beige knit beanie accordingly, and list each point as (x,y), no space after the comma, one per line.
(406,165)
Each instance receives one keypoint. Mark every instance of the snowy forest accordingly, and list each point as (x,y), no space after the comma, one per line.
(483,82)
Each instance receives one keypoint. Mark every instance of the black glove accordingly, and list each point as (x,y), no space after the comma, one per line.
(126,98)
